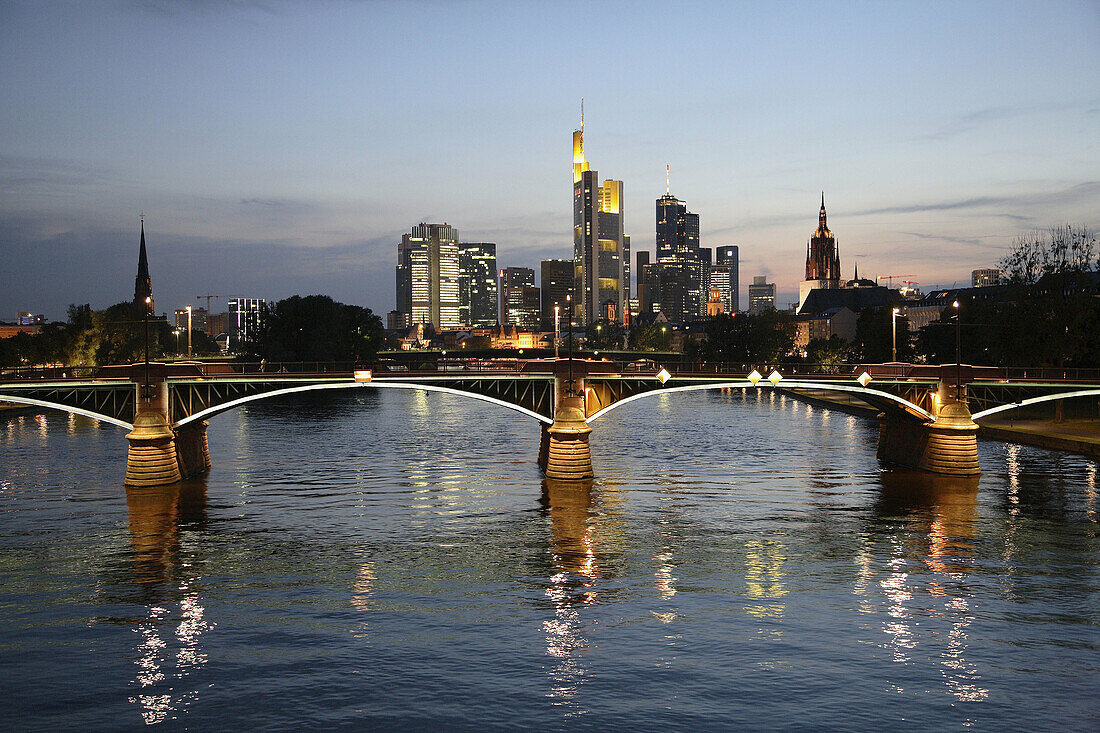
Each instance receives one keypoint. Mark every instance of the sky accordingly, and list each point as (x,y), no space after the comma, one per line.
(280,148)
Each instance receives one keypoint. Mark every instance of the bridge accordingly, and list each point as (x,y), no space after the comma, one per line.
(925,416)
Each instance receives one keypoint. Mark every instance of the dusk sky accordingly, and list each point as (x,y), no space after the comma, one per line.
(280,148)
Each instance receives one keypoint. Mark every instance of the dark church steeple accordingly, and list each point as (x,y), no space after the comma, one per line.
(822,258)
(143,285)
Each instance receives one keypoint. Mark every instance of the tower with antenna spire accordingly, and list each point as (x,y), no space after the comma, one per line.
(601,251)
(822,259)
(143,285)
(679,280)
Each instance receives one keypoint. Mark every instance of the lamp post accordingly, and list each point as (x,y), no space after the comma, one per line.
(148,302)
(958,352)
(569,307)
(189,332)
(894,334)
(557,328)
(176,333)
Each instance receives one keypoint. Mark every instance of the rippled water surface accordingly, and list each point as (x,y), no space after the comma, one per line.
(397,561)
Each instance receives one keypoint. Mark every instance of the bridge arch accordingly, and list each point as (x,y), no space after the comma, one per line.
(65,408)
(1034,401)
(216,409)
(900,404)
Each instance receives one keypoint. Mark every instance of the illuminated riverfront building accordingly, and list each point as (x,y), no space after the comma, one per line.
(601,250)
(822,260)
(477,284)
(427,276)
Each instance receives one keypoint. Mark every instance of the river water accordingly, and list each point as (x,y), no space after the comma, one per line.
(395,560)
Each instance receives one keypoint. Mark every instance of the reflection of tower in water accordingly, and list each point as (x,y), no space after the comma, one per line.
(169,649)
(939,515)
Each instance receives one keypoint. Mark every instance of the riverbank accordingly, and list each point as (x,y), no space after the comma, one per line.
(1074,436)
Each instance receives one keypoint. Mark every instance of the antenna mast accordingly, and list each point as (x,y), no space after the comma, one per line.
(668,188)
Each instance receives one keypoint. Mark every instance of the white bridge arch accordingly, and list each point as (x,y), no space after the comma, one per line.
(16,399)
(915,410)
(1035,401)
(210,411)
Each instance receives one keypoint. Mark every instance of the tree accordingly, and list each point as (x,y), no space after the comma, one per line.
(874,342)
(760,338)
(316,328)
(830,354)
(604,334)
(653,337)
(1054,314)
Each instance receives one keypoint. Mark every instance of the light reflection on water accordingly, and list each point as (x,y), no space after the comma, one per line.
(397,560)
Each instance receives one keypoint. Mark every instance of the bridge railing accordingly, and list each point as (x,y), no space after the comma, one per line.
(434,363)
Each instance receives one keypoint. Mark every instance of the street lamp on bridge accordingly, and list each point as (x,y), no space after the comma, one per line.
(894,334)
(958,352)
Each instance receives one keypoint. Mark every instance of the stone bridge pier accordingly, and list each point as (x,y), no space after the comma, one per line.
(159,455)
(947,445)
(564,452)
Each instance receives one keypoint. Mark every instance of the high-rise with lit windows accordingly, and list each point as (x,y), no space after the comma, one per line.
(600,248)
(477,284)
(427,276)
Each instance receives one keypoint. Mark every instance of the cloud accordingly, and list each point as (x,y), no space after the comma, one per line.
(962,124)
(1043,198)
(37,174)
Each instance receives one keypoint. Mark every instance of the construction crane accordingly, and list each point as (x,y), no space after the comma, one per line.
(890,278)
(208,297)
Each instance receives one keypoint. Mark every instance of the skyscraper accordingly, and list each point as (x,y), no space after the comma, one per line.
(599,244)
(143,284)
(822,259)
(761,295)
(556,284)
(427,275)
(519,298)
(477,284)
(682,273)
(729,255)
(720,282)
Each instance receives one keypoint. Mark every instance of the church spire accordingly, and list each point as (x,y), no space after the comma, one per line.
(143,285)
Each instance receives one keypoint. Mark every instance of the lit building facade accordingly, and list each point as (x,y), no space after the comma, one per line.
(427,276)
(822,260)
(729,255)
(477,284)
(679,281)
(556,285)
(243,320)
(520,303)
(601,250)
(199,320)
(985,277)
(761,295)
